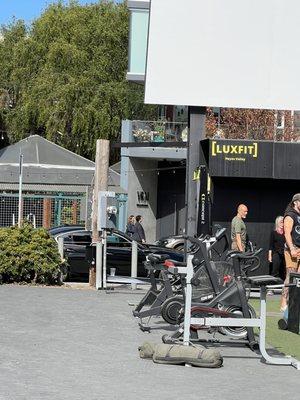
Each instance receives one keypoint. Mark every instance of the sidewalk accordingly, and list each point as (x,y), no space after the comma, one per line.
(60,344)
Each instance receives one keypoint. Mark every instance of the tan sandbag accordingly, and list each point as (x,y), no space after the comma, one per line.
(179,354)
(146,350)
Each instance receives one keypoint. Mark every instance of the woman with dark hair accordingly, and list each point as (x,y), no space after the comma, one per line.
(292,243)
(276,249)
(130,226)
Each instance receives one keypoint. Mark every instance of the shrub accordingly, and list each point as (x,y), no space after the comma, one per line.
(29,255)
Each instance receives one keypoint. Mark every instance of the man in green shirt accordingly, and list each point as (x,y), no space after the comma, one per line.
(238,229)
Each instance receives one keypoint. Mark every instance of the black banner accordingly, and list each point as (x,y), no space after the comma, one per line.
(203,209)
(241,158)
(286,160)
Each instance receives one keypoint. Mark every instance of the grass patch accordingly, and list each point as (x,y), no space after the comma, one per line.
(273,304)
(284,341)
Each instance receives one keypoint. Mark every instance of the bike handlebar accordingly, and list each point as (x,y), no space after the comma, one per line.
(248,255)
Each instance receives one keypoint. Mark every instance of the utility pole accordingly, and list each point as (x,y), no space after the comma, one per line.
(100,184)
(20,210)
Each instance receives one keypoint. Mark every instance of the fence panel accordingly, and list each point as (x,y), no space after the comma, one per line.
(43,210)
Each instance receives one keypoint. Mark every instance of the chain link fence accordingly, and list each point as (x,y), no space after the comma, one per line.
(44,210)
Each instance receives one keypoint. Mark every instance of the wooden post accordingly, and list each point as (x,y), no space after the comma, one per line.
(100,183)
(74,212)
(46,213)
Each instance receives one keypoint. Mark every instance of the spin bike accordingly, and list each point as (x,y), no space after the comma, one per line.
(228,301)
(171,286)
(215,319)
(210,279)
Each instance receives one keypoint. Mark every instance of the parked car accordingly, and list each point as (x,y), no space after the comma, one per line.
(171,242)
(64,228)
(77,243)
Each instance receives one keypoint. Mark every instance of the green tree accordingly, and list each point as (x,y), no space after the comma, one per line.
(10,36)
(65,75)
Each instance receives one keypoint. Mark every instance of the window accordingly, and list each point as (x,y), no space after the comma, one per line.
(117,241)
(138,41)
(81,237)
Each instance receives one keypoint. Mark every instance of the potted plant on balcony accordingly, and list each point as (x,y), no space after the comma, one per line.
(141,135)
(159,132)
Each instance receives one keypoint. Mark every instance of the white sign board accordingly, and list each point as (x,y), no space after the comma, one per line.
(224,53)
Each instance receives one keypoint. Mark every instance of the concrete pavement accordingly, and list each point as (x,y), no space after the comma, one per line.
(66,343)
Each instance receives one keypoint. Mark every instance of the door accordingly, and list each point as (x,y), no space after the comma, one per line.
(75,244)
(119,251)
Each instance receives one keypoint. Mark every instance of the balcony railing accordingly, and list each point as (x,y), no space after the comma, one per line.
(166,131)
(159,131)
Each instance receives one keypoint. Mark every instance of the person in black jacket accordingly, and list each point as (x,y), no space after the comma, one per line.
(130,226)
(139,233)
(291,226)
(276,249)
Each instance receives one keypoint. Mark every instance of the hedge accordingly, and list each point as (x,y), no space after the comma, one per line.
(29,255)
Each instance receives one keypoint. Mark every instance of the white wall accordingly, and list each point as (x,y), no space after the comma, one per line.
(141,179)
(224,53)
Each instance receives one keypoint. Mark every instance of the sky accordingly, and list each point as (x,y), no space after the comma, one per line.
(25,9)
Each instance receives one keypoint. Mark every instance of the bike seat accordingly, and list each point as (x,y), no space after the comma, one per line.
(264,280)
(154,267)
(174,263)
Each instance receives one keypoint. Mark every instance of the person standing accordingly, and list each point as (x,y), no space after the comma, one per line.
(276,249)
(291,226)
(130,226)
(238,229)
(139,233)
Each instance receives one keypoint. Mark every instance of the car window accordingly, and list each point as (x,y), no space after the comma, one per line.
(83,238)
(114,239)
(68,238)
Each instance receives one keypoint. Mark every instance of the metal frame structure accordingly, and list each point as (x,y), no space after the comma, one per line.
(234,322)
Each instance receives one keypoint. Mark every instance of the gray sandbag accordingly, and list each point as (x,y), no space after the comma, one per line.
(180,355)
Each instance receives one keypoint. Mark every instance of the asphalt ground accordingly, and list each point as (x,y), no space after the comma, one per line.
(67,343)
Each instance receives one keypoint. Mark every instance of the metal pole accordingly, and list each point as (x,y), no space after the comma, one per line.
(104,258)
(20,209)
(61,246)
(196,133)
(188,301)
(99,259)
(134,261)
(262,335)
(86,224)
(58,215)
